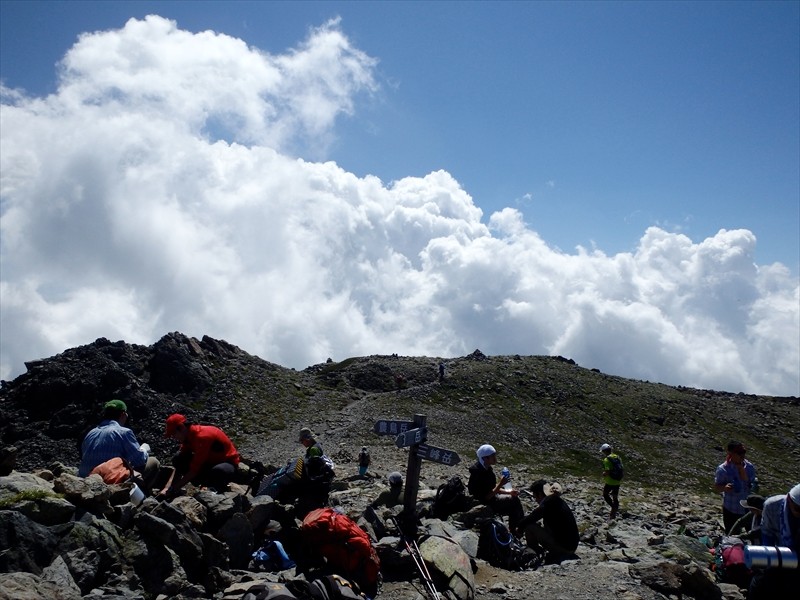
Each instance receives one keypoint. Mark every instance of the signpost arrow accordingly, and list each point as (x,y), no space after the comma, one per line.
(391,427)
(439,455)
(411,437)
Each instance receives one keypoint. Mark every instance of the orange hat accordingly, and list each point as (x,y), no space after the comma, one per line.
(172,423)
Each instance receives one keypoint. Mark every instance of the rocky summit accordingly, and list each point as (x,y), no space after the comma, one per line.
(68,537)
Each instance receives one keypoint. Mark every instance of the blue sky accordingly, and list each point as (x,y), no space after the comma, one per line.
(596,119)
(614,182)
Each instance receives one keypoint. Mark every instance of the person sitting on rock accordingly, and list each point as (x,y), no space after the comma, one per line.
(486,489)
(748,527)
(206,457)
(394,495)
(111,439)
(558,534)
(780,526)
(387,498)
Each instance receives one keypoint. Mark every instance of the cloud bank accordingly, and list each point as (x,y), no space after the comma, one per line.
(176,181)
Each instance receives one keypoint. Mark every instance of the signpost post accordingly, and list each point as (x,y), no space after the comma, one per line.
(413,435)
(412,470)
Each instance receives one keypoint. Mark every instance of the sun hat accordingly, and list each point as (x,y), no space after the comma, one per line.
(753,501)
(486,450)
(115,405)
(173,422)
(305,434)
(606,448)
(794,494)
(552,489)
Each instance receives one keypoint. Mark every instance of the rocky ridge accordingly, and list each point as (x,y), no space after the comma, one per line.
(545,414)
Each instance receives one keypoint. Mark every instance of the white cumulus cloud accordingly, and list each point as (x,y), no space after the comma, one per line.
(176,181)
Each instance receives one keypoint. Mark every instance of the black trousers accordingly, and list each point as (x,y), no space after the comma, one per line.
(216,476)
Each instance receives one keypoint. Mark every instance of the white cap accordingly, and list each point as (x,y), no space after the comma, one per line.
(605,448)
(552,488)
(486,450)
(794,494)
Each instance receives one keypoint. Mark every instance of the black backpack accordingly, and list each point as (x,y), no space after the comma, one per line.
(616,471)
(500,549)
(450,498)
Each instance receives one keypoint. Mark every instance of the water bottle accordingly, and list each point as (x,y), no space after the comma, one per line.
(754,486)
(506,475)
(770,556)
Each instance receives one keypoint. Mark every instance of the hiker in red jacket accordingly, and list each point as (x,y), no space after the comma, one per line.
(206,456)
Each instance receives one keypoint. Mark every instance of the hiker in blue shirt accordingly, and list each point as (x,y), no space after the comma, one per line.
(111,439)
(735,479)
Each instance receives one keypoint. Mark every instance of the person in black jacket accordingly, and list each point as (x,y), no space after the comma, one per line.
(558,534)
(486,489)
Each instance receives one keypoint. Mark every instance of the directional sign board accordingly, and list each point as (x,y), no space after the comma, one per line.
(440,455)
(392,427)
(411,437)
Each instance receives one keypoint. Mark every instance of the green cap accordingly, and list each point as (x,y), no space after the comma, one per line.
(115,405)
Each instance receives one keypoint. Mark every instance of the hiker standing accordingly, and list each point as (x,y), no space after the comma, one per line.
(612,477)
(558,534)
(309,441)
(111,439)
(735,479)
(484,487)
(363,461)
(206,456)
(441,371)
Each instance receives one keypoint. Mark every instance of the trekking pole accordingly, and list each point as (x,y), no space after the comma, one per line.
(419,562)
(424,567)
(425,575)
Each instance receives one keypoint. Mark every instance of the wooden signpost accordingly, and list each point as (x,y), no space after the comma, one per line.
(413,435)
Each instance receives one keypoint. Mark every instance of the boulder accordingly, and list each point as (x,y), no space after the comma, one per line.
(60,574)
(238,534)
(449,565)
(90,493)
(27,546)
(27,586)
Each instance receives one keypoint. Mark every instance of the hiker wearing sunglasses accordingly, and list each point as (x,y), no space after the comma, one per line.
(735,479)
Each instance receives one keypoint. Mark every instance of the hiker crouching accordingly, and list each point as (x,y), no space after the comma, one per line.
(206,457)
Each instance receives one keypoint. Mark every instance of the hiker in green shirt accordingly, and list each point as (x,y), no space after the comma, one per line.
(612,477)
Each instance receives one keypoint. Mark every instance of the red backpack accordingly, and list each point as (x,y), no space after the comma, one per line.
(345,546)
